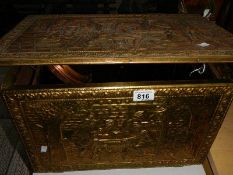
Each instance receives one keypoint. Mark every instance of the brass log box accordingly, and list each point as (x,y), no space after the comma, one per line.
(117,91)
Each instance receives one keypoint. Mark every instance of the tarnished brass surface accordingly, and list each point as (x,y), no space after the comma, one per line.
(108,39)
(96,126)
(101,127)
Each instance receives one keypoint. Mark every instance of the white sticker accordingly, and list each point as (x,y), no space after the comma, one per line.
(43,149)
(144,95)
(206,12)
(203,44)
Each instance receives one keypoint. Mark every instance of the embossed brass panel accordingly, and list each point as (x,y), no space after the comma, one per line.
(108,39)
(101,127)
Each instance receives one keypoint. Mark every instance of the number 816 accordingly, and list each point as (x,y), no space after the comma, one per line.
(143,96)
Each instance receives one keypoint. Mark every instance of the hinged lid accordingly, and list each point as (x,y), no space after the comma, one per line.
(111,39)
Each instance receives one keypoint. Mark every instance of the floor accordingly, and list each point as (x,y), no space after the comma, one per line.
(187,170)
(11,157)
(221,153)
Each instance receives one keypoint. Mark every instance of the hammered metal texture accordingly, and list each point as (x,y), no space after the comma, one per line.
(102,127)
(107,39)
